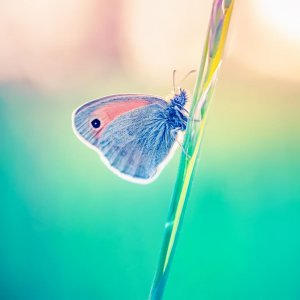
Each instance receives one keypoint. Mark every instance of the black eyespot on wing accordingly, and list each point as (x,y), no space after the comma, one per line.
(96,123)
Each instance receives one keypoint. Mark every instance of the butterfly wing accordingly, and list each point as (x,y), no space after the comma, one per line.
(137,143)
(106,110)
(134,137)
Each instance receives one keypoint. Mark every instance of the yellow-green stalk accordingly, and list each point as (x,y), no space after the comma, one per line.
(207,74)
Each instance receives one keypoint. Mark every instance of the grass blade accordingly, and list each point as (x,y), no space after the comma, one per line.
(207,74)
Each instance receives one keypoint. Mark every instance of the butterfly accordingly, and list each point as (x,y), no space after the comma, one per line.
(134,134)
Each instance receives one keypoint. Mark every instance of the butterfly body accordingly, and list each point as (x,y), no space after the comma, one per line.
(134,134)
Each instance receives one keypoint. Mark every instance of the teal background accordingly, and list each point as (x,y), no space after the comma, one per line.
(71,229)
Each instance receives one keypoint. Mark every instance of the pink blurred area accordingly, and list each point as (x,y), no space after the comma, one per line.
(50,44)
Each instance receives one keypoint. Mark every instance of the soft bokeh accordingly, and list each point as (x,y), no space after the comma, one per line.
(70,229)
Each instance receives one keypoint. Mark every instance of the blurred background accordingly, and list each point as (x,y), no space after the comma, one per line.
(71,229)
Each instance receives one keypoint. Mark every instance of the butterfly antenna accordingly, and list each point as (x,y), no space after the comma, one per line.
(186,76)
(174,73)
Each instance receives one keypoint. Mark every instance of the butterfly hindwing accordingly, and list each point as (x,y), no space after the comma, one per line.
(137,142)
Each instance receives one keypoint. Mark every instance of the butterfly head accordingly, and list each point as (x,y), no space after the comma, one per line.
(179,99)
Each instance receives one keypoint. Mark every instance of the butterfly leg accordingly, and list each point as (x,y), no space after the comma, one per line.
(183,150)
(195,120)
(180,145)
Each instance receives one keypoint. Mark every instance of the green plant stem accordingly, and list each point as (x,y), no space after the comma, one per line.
(207,74)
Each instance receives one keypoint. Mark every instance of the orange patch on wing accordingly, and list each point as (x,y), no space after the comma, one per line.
(109,112)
